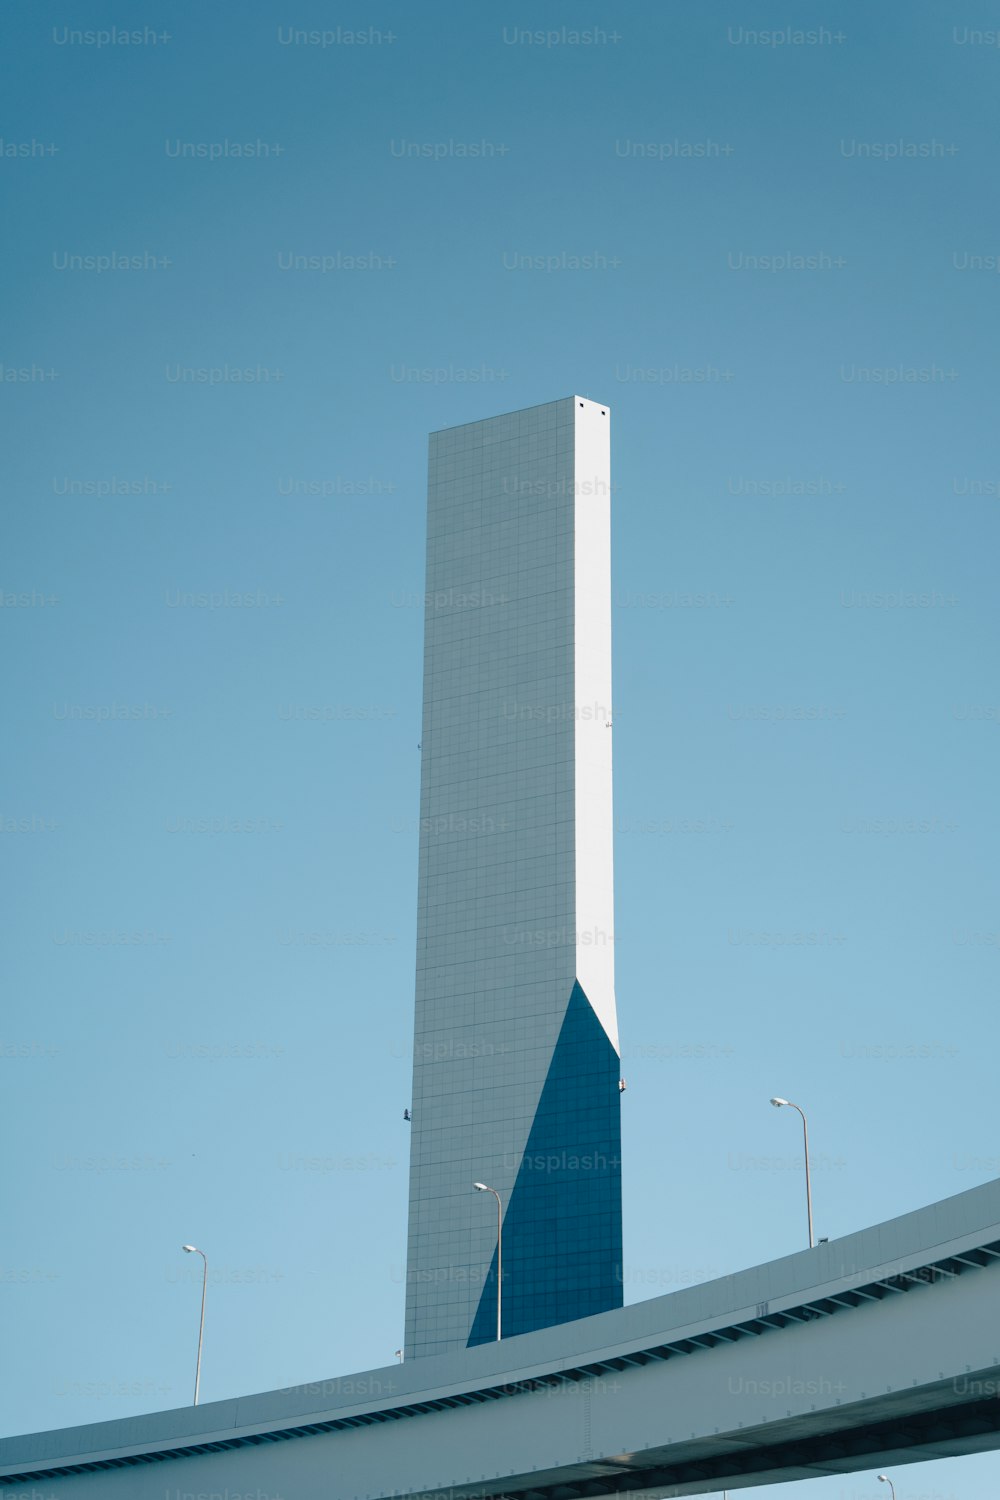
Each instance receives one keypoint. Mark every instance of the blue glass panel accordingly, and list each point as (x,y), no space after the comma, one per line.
(562,1226)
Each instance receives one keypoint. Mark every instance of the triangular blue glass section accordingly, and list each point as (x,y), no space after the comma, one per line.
(562,1226)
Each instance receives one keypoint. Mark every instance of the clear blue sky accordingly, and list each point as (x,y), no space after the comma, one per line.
(806,701)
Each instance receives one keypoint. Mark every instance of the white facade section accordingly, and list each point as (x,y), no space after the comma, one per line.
(595,958)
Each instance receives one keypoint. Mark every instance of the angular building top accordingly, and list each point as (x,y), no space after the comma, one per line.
(516,1047)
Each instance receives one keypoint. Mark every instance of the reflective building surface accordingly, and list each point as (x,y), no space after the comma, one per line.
(516,1063)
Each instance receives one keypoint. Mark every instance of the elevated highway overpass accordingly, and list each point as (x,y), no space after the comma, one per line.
(877,1349)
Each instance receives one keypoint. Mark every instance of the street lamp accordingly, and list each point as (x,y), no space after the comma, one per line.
(779,1104)
(886,1480)
(481,1187)
(193,1250)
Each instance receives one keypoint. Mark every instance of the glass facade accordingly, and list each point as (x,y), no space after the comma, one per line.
(562,1231)
(515,1044)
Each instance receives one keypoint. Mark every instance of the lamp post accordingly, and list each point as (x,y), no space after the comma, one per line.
(787,1103)
(481,1187)
(193,1250)
(886,1480)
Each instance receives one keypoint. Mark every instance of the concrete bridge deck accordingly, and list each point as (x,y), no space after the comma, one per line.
(877,1349)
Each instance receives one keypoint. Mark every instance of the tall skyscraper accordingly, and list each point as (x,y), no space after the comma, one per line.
(516,1066)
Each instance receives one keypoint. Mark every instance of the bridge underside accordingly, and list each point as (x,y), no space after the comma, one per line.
(792,1452)
(876,1350)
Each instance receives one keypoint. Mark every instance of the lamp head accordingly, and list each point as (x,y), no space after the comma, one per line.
(480,1187)
(778,1102)
(191,1249)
